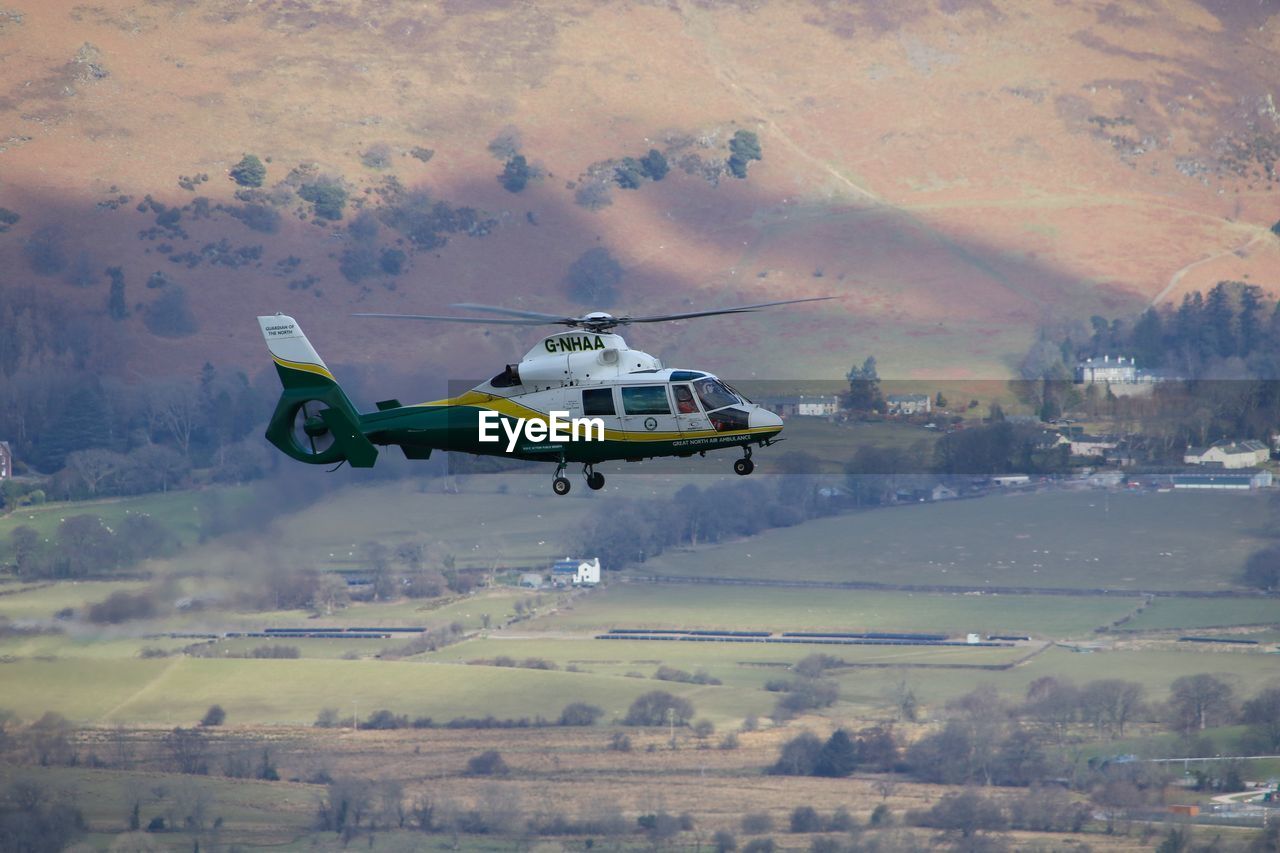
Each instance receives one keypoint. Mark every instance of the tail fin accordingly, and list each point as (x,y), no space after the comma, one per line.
(314,421)
(297,361)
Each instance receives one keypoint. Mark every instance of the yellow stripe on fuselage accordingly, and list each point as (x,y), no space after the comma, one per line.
(304,366)
(506,406)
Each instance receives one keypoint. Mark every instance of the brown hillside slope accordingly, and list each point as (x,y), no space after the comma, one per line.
(957,170)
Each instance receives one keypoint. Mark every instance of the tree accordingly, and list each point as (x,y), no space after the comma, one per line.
(95,466)
(84,544)
(799,756)
(654,165)
(593,278)
(117,309)
(629,174)
(328,197)
(966,813)
(215,716)
(50,740)
(1197,702)
(1109,703)
(169,316)
(189,750)
(805,819)
(249,172)
(515,175)
(488,763)
(744,147)
(838,757)
(864,388)
(659,708)
(1262,715)
(580,714)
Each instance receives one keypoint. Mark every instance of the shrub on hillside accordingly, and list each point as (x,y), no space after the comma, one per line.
(580,714)
(658,708)
(249,172)
(488,763)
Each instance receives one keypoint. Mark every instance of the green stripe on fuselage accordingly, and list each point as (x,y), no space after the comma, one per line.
(457,429)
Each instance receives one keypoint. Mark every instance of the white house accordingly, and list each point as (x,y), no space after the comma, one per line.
(1120,375)
(1007,480)
(818,407)
(1229,454)
(6,460)
(1094,446)
(909,404)
(568,572)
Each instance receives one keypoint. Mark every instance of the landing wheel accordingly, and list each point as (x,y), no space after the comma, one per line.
(561,486)
(743,467)
(595,481)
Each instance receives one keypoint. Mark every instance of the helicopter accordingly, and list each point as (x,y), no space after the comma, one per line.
(578,396)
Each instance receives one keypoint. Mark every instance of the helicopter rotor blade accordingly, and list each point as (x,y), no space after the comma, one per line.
(306,416)
(482,320)
(511,312)
(663,318)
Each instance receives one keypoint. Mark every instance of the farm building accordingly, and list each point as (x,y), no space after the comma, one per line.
(909,404)
(6,460)
(1241,479)
(1006,480)
(1228,454)
(570,572)
(817,407)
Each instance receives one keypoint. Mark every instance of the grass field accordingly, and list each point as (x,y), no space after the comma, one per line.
(177,691)
(41,602)
(1166,613)
(1076,540)
(746,666)
(255,813)
(637,605)
(179,512)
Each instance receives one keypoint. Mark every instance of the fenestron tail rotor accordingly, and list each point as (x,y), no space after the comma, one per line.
(310,433)
(596,321)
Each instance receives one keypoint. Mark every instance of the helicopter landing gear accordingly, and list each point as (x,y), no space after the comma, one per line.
(744,466)
(561,485)
(595,480)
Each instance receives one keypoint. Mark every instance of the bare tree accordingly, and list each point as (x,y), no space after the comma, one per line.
(95,466)
(174,407)
(1199,701)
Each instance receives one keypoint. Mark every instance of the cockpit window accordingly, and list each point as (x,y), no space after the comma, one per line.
(714,394)
(598,401)
(646,400)
(685,403)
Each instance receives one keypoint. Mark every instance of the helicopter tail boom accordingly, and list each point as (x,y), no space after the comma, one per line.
(314,421)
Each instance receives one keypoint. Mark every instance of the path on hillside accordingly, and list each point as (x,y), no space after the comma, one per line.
(698,27)
(1177,276)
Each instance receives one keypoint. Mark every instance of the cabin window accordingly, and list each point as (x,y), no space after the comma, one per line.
(646,400)
(714,394)
(685,403)
(598,401)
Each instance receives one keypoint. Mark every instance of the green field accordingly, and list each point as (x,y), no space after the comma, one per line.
(177,691)
(1169,613)
(1070,540)
(180,512)
(739,665)
(642,605)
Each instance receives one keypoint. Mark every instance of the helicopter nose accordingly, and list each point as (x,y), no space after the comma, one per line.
(763,418)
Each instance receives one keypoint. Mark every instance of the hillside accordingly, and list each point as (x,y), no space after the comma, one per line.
(957,170)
